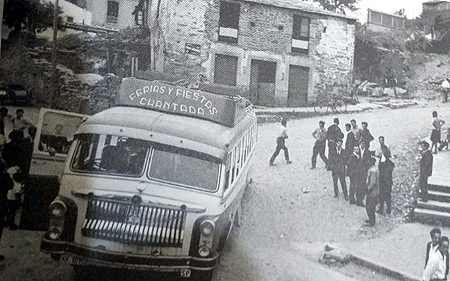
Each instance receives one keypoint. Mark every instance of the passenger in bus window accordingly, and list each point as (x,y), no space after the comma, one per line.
(56,142)
(281,140)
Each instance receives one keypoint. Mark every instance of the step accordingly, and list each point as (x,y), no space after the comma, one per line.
(441,188)
(439,181)
(439,196)
(420,214)
(434,205)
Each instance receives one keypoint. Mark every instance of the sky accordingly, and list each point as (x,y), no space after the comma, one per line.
(413,8)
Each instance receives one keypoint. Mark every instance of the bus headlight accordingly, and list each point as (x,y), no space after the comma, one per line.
(207,228)
(58,209)
(204,251)
(54,232)
(206,238)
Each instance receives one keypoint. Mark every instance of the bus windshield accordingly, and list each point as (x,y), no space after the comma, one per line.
(108,154)
(184,167)
(123,156)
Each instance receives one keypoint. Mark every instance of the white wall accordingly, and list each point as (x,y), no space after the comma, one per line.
(79,15)
(98,8)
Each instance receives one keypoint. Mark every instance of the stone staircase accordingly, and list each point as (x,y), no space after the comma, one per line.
(438,206)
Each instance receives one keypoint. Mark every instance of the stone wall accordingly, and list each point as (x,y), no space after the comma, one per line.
(265,33)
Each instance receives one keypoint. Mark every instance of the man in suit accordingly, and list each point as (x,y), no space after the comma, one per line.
(350,140)
(365,134)
(6,184)
(338,161)
(386,168)
(433,245)
(373,191)
(366,156)
(356,174)
(333,134)
(426,169)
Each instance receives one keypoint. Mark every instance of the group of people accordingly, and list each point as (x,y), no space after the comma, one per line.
(15,158)
(436,257)
(370,172)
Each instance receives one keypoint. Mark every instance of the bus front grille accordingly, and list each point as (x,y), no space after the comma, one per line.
(134,224)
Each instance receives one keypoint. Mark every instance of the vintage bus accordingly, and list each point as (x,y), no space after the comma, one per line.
(154,183)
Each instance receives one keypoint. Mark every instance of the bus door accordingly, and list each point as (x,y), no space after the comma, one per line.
(55,133)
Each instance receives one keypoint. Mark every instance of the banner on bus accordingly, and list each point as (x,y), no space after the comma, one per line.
(160,96)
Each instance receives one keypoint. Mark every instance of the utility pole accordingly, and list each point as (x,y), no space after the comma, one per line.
(2,5)
(55,91)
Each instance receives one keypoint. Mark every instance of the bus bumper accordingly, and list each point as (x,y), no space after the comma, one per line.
(79,255)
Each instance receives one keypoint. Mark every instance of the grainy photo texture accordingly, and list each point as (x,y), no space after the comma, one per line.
(224,140)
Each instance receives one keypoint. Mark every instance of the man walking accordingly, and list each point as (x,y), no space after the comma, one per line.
(433,245)
(319,146)
(426,169)
(365,134)
(437,265)
(373,191)
(333,134)
(386,167)
(281,139)
(356,131)
(338,160)
(355,172)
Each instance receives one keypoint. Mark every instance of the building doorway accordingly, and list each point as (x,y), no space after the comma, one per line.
(262,82)
(298,86)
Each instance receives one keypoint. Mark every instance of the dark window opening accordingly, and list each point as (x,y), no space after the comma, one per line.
(229,21)
(112,13)
(300,31)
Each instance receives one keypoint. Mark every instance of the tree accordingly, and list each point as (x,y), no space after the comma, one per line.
(339,6)
(31,14)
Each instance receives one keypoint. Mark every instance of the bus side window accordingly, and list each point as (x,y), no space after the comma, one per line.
(227,171)
(233,164)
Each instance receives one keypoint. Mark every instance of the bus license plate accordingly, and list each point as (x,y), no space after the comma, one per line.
(73,260)
(185,273)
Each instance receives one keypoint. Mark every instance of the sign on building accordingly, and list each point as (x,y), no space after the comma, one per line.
(193,49)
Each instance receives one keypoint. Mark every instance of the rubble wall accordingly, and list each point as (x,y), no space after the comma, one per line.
(26,62)
(265,33)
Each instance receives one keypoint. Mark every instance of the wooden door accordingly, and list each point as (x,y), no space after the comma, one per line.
(298,86)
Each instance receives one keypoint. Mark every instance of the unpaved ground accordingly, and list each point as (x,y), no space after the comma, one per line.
(283,229)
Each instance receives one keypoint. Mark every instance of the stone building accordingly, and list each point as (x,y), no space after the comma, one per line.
(384,22)
(116,14)
(277,51)
(437,16)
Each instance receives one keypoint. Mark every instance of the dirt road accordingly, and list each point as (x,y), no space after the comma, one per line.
(283,229)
